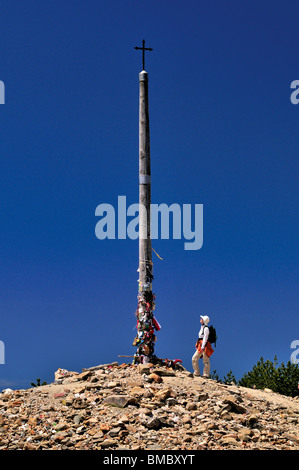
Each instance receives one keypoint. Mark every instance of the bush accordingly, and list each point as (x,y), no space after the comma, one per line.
(281,379)
(38,384)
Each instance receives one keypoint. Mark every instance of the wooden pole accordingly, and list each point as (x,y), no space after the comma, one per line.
(145,246)
(145,330)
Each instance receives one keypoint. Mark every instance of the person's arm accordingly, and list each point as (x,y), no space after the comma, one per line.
(205,337)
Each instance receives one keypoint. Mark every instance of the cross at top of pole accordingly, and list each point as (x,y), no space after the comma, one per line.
(143,49)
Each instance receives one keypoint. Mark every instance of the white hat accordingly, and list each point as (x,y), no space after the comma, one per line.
(205,318)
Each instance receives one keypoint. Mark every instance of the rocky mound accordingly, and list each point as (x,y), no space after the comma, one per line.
(126,407)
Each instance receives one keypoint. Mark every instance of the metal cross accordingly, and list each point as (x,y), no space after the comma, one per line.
(143,49)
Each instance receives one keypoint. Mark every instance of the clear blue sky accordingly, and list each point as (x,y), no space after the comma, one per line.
(223,134)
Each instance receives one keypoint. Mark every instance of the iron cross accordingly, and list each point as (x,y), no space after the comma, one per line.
(143,49)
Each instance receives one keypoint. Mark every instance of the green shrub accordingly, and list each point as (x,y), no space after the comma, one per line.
(38,384)
(283,379)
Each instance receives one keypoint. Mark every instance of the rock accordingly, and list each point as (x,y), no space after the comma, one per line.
(114,432)
(32,420)
(291,437)
(84,375)
(61,426)
(91,421)
(235,406)
(137,391)
(155,378)
(152,423)
(145,368)
(150,406)
(153,447)
(81,430)
(131,429)
(69,399)
(79,390)
(119,400)
(202,397)
(59,395)
(145,411)
(60,435)
(191,406)
(165,372)
(105,427)
(29,446)
(97,436)
(163,394)
(225,415)
(112,384)
(61,373)
(78,419)
(79,404)
(252,420)
(171,401)
(226,440)
(186,420)
(244,434)
(148,394)
(115,407)
(108,443)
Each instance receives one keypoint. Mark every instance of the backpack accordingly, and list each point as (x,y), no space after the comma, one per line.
(212,335)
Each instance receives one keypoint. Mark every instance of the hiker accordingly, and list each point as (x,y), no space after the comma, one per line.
(203,348)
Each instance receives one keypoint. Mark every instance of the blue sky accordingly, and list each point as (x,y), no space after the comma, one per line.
(224,134)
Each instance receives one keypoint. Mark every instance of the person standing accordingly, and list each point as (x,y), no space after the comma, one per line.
(203,348)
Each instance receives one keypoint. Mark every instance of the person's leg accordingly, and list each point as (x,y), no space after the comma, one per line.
(195,359)
(207,366)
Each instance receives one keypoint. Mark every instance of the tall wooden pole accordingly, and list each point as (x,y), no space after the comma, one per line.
(145,246)
(146,300)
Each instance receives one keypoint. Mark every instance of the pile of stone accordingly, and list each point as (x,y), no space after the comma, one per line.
(143,407)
